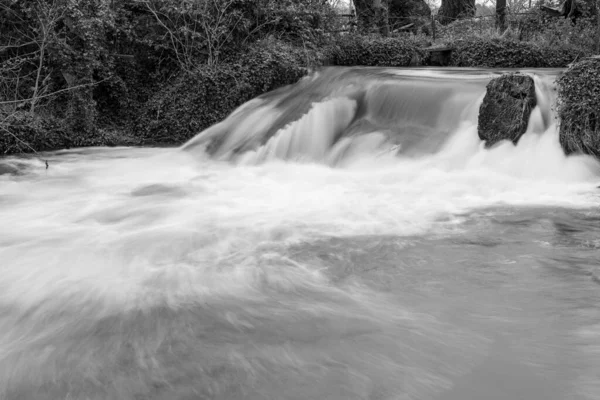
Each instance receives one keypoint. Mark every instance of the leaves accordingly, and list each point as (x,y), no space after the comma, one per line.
(373,51)
(579,107)
(193,101)
(502,53)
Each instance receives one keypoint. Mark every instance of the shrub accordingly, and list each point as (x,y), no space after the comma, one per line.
(559,32)
(194,101)
(508,53)
(579,107)
(23,132)
(354,49)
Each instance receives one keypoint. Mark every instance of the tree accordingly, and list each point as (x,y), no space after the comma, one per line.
(29,31)
(52,56)
(403,12)
(451,10)
(501,15)
(372,15)
(197,28)
(597,26)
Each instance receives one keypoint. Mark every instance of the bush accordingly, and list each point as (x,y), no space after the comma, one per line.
(579,108)
(196,100)
(507,53)
(562,33)
(354,49)
(23,132)
(302,23)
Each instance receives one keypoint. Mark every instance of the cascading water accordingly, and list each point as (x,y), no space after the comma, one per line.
(331,116)
(348,237)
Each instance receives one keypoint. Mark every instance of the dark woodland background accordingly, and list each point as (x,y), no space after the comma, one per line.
(145,72)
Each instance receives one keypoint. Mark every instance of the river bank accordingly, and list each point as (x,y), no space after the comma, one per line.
(135,110)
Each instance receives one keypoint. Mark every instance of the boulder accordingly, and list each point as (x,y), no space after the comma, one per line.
(504,113)
(579,107)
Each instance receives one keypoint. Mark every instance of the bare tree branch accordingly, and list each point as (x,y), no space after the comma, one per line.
(56,92)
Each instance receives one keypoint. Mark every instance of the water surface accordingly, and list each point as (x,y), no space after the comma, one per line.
(261,262)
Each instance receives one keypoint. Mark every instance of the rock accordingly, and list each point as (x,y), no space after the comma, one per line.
(505,110)
(579,107)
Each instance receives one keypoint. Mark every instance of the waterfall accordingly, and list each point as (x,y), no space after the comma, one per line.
(339,114)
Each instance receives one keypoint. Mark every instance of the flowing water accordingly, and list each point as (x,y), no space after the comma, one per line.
(345,238)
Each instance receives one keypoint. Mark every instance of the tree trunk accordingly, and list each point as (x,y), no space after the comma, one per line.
(568,9)
(501,15)
(381,17)
(597,26)
(371,15)
(451,10)
(404,12)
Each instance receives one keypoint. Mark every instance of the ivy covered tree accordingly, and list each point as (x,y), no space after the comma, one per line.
(372,15)
(54,50)
(451,10)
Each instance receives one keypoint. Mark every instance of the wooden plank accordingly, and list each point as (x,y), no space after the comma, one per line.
(440,49)
(405,27)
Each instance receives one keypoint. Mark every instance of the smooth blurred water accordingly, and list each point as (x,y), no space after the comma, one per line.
(443,272)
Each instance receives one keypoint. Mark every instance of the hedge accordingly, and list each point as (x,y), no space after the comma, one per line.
(503,53)
(351,50)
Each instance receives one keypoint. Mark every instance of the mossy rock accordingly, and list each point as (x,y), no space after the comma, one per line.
(504,113)
(579,107)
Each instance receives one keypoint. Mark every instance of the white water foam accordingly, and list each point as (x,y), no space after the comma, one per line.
(123,225)
(142,227)
(105,232)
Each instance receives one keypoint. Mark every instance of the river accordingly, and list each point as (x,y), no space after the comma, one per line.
(348,237)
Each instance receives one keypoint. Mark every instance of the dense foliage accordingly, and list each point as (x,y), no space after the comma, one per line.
(52,48)
(579,107)
(374,51)
(74,72)
(510,53)
(105,72)
(195,100)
